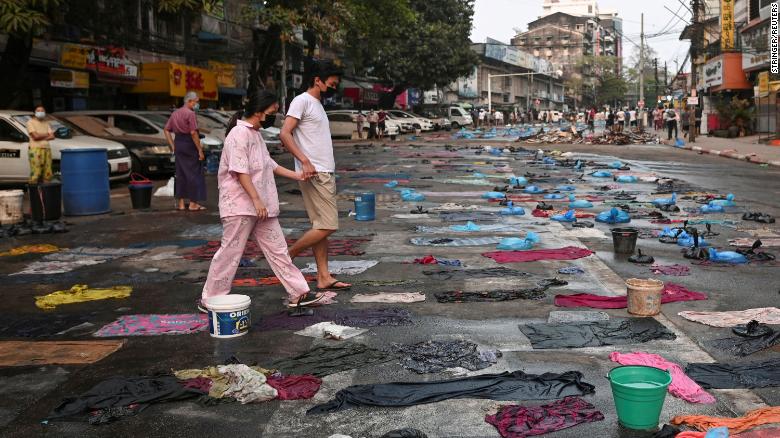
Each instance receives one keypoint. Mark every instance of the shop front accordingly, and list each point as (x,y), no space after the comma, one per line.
(162,85)
(104,71)
(231,91)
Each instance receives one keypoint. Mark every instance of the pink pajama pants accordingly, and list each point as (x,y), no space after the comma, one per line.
(236,231)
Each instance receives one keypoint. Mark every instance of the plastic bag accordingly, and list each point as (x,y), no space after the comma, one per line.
(669,232)
(578,165)
(511,210)
(574,203)
(680,142)
(411,195)
(548,160)
(728,202)
(685,239)
(726,257)
(470,226)
(391,184)
(616,164)
(665,201)
(518,180)
(705,209)
(533,189)
(565,217)
(565,188)
(613,216)
(626,179)
(493,195)
(602,174)
(553,196)
(518,244)
(478,175)
(167,189)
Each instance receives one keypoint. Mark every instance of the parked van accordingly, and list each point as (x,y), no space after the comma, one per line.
(459,117)
(14,147)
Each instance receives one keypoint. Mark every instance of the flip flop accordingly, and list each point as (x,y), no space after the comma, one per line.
(306,299)
(333,286)
(200,208)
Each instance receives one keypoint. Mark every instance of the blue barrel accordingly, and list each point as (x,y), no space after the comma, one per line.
(212,161)
(85,188)
(364,206)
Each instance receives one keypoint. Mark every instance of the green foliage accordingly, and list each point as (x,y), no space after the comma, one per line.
(738,112)
(174,6)
(20,17)
(606,85)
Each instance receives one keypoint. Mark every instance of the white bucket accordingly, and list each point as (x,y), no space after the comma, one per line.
(229,315)
(11,207)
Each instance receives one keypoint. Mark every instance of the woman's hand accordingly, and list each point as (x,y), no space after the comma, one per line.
(262,212)
(299,176)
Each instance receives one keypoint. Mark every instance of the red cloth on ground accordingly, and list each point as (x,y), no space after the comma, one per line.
(532,255)
(515,421)
(772,432)
(294,387)
(548,213)
(427,260)
(671,293)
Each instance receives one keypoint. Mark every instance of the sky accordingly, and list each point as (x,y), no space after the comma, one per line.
(498,18)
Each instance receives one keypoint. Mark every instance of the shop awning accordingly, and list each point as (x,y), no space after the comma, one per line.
(233,91)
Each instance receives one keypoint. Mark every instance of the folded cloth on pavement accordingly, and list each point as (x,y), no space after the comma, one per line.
(329,330)
(533,255)
(764,315)
(681,387)
(734,376)
(515,385)
(516,421)
(670,294)
(617,331)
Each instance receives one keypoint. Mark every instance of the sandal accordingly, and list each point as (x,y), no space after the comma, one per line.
(333,286)
(306,299)
(200,208)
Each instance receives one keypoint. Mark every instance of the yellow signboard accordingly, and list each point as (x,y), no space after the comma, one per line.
(763,83)
(226,73)
(727,25)
(63,78)
(74,56)
(176,80)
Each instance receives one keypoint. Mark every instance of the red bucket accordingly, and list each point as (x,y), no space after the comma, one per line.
(136,179)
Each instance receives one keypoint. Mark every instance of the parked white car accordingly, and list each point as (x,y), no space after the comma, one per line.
(14,147)
(343,124)
(418,122)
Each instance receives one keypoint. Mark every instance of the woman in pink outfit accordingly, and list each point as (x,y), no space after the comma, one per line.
(249,205)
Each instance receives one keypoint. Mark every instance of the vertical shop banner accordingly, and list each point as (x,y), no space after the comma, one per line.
(226,73)
(727,25)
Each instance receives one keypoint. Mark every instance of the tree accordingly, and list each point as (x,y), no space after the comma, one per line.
(411,43)
(602,78)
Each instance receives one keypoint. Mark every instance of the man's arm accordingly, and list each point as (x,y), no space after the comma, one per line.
(196,139)
(290,123)
(169,139)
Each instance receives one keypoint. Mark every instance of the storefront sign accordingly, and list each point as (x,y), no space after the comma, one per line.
(226,73)
(184,78)
(763,83)
(713,73)
(63,78)
(467,86)
(74,56)
(110,61)
(693,100)
(727,25)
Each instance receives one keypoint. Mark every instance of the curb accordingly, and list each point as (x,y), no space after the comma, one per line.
(751,158)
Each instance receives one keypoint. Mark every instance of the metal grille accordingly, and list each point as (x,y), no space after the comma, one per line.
(117,153)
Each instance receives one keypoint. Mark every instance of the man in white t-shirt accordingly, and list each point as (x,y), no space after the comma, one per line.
(306,134)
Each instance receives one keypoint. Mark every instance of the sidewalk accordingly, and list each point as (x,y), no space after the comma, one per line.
(741,148)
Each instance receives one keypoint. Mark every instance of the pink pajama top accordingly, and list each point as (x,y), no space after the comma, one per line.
(245,152)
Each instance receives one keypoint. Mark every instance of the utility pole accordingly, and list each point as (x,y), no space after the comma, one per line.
(656,81)
(283,81)
(640,116)
(694,54)
(666,78)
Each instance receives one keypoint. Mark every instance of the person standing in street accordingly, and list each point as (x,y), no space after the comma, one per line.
(381,123)
(360,120)
(620,120)
(181,132)
(372,122)
(684,120)
(39,152)
(306,134)
(633,117)
(481,117)
(610,123)
(592,120)
(670,118)
(249,205)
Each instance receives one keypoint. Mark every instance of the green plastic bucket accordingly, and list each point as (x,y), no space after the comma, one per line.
(639,394)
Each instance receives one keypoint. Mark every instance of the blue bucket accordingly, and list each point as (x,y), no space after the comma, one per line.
(85,188)
(365,207)
(229,315)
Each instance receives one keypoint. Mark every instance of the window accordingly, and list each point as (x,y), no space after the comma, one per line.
(132,125)
(579,27)
(590,9)
(9,133)
(754,8)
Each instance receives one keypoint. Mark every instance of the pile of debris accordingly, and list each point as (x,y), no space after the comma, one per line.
(623,138)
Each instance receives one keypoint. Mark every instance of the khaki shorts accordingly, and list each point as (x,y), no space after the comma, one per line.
(319,198)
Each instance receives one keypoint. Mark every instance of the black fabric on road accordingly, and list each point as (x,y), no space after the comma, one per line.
(617,331)
(534,293)
(735,376)
(515,385)
(667,431)
(125,391)
(322,361)
(740,346)
(462,274)
(436,356)
(405,433)
(50,324)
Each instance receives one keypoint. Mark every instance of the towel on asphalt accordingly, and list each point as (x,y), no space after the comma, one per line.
(22,353)
(617,331)
(533,255)
(152,325)
(342,267)
(735,376)
(764,315)
(671,293)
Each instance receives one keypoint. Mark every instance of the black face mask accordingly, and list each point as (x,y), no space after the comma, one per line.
(269,121)
(329,92)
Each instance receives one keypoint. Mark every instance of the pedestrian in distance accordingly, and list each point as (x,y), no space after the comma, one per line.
(482,116)
(249,205)
(181,132)
(686,122)
(592,120)
(39,152)
(373,119)
(360,120)
(670,118)
(381,123)
(610,123)
(620,120)
(306,134)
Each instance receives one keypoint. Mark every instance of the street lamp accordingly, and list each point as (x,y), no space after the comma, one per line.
(490,77)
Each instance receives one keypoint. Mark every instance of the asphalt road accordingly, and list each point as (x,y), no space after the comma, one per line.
(30,392)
